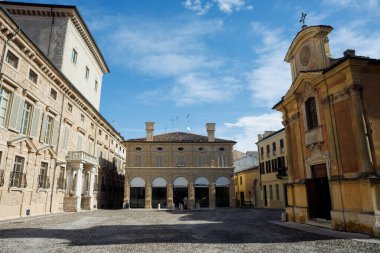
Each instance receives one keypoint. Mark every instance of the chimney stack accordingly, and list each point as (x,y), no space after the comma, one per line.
(211,131)
(349,53)
(149,126)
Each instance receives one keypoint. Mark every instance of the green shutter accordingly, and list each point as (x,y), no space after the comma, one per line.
(43,128)
(35,122)
(54,138)
(16,113)
(65,138)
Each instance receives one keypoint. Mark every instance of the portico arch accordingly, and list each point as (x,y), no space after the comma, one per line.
(159,192)
(137,198)
(222,188)
(201,188)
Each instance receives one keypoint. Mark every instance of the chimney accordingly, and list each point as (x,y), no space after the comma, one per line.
(349,52)
(211,131)
(149,126)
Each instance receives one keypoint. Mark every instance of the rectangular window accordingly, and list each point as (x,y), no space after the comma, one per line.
(90,147)
(74,56)
(4,103)
(270,192)
(87,72)
(241,180)
(43,180)
(268,151)
(12,59)
(96,85)
(262,152)
(311,113)
(48,130)
(18,179)
(274,147)
(1,171)
(61,179)
(180,160)
(160,161)
(92,126)
(201,161)
(26,115)
(82,117)
(138,161)
(277,192)
(282,146)
(222,161)
(33,76)
(69,107)
(53,94)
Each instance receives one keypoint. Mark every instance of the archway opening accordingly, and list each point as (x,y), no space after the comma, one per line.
(201,188)
(222,192)
(137,193)
(159,192)
(180,192)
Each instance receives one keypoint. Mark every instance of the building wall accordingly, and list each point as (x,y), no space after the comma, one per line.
(248,183)
(83,120)
(344,141)
(273,169)
(76,72)
(172,166)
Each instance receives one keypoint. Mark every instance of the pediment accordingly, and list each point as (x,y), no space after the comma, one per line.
(48,148)
(29,144)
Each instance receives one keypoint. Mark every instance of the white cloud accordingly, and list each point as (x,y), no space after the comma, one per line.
(355,37)
(197,6)
(202,88)
(367,5)
(249,127)
(270,80)
(226,6)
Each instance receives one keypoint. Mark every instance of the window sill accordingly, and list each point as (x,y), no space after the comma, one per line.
(16,189)
(43,189)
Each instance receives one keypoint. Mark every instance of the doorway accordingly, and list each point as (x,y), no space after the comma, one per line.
(137,199)
(242,200)
(265,196)
(201,196)
(318,193)
(179,195)
(222,196)
(159,197)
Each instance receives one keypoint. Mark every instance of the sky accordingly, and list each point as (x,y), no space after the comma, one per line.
(183,63)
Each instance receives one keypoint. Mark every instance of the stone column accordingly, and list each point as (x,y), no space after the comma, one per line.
(148,196)
(232,193)
(127,190)
(359,130)
(78,187)
(191,199)
(169,194)
(212,194)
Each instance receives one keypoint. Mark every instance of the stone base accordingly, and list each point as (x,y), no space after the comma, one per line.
(88,203)
(297,214)
(356,222)
(71,204)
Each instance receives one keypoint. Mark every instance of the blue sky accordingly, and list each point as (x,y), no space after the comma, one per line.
(183,63)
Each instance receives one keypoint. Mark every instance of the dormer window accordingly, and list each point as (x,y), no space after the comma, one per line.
(311,113)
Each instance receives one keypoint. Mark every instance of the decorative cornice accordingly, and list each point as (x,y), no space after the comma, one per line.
(352,90)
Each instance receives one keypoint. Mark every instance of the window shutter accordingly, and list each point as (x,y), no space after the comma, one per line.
(35,122)
(54,139)
(65,138)
(43,128)
(16,113)
(79,142)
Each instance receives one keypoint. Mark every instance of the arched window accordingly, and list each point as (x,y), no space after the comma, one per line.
(311,113)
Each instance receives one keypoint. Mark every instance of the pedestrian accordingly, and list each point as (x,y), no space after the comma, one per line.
(185,202)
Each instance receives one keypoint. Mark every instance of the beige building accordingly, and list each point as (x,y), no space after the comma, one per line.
(179,168)
(273,168)
(57,153)
(331,117)
(247,180)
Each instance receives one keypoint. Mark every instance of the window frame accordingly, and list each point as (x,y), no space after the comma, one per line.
(29,119)
(48,129)
(311,113)
(10,62)
(6,108)
(74,56)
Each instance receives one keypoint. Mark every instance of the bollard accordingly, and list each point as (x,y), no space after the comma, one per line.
(198,206)
(181,207)
(159,206)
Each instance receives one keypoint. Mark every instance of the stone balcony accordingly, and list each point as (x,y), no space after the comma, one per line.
(83,157)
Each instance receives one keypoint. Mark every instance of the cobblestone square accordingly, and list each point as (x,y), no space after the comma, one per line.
(220,230)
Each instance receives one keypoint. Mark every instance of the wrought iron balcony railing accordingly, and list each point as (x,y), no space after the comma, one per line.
(43,182)
(17,179)
(1,178)
(61,183)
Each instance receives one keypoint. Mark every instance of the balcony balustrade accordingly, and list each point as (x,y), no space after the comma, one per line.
(80,156)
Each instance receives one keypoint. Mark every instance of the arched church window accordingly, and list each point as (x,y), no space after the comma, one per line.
(311,113)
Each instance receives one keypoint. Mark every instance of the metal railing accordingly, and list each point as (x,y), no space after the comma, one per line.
(61,183)
(81,156)
(1,178)
(43,182)
(17,179)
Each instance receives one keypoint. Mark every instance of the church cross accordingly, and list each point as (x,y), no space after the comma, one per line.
(303,17)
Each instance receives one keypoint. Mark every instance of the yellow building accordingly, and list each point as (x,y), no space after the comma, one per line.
(247,180)
(332,123)
(273,169)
